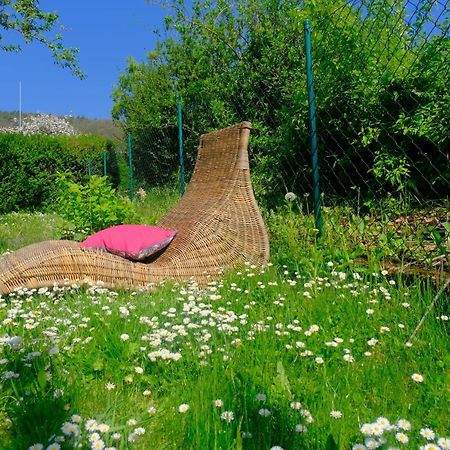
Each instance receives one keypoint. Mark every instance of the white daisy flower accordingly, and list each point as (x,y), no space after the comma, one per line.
(371,443)
(402,437)
(404,424)
(430,446)
(384,423)
(227,416)
(98,445)
(427,433)
(417,377)
(183,408)
(91,425)
(94,437)
(444,443)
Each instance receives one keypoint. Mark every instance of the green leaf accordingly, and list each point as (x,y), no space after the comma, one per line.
(438,241)
(331,443)
(42,379)
(281,380)
(239,443)
(98,365)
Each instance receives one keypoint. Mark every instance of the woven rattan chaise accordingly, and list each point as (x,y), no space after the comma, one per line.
(218,222)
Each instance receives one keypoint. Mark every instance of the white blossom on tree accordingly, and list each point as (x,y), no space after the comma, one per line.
(47,124)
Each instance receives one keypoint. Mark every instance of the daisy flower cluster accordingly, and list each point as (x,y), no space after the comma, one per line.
(382,434)
(195,324)
(197,321)
(302,416)
(137,344)
(91,434)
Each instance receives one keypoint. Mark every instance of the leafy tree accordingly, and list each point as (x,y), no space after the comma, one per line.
(148,99)
(26,19)
(381,83)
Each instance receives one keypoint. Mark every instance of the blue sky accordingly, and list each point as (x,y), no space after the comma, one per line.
(106,32)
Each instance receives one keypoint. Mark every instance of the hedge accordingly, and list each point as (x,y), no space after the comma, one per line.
(28,165)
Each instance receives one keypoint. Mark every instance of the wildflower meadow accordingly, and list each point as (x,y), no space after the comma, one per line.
(273,358)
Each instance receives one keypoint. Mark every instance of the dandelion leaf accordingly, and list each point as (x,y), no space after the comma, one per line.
(281,381)
(331,443)
(42,379)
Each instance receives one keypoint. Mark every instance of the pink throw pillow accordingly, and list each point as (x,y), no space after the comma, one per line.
(136,242)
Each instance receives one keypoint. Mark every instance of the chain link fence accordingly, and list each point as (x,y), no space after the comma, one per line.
(382,108)
(383,130)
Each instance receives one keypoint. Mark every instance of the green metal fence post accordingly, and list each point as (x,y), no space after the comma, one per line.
(105,155)
(130,162)
(180,141)
(312,129)
(89,168)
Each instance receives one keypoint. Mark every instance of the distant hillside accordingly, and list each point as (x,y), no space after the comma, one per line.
(103,127)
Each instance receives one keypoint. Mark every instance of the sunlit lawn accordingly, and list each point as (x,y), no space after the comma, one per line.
(256,361)
(20,229)
(308,355)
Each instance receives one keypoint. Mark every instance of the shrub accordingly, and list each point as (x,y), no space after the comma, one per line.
(91,206)
(28,165)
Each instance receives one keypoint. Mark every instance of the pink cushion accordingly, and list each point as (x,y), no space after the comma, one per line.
(136,242)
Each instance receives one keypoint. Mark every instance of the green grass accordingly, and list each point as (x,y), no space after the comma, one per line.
(152,204)
(250,334)
(20,229)
(415,237)
(313,329)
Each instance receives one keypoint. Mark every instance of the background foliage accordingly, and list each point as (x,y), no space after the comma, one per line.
(90,207)
(29,165)
(381,70)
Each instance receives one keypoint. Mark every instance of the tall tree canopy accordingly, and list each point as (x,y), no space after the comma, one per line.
(381,79)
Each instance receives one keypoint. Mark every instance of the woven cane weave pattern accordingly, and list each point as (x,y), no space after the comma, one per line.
(218,222)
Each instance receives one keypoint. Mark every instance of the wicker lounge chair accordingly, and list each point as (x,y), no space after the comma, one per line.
(218,222)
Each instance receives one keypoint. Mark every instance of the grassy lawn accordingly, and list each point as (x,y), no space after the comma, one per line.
(20,229)
(298,356)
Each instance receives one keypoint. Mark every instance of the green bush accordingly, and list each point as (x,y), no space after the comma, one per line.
(382,94)
(28,165)
(90,207)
